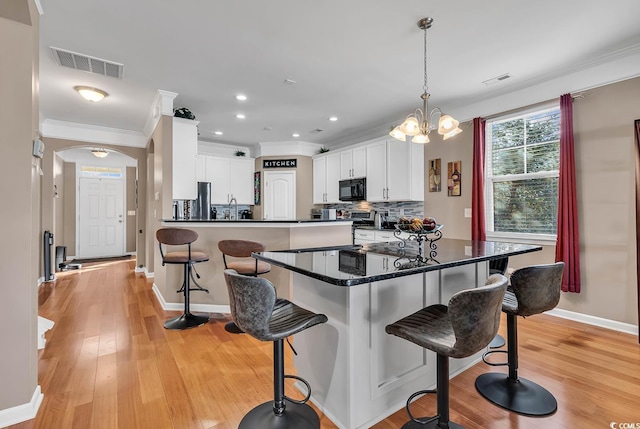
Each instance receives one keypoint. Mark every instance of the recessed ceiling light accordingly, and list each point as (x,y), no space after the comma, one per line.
(333,118)
(218,133)
(295,135)
(240,116)
(241,97)
(90,94)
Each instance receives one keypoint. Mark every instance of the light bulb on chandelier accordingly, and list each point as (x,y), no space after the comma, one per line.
(419,124)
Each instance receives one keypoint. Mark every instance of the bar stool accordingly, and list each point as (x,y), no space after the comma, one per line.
(179,237)
(458,330)
(533,290)
(257,310)
(242,262)
(498,266)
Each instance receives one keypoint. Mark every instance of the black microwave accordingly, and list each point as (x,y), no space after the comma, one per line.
(353,189)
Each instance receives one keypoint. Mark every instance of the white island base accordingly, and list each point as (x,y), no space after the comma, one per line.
(359,374)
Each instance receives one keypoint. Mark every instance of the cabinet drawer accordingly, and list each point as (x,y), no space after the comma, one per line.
(385,236)
(360,234)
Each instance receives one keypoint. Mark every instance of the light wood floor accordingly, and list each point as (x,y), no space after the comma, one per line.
(109,363)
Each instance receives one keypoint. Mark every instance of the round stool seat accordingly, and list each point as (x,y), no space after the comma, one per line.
(248,267)
(183,257)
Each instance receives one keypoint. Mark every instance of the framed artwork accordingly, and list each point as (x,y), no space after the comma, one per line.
(256,188)
(454,179)
(434,175)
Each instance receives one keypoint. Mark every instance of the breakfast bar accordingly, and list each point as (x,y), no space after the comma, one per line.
(359,375)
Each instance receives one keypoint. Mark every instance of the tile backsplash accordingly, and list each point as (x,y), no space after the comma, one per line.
(411,208)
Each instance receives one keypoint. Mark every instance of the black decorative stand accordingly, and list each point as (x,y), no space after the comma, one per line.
(421,237)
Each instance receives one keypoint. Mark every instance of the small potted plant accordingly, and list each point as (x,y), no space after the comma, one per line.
(323,150)
(240,153)
(183,112)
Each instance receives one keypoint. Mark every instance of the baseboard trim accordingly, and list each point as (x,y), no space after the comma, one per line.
(179,306)
(594,320)
(22,413)
(148,274)
(43,326)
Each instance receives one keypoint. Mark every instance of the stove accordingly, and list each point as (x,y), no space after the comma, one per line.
(362,217)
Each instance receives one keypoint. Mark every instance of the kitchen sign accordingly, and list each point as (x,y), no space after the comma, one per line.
(280,163)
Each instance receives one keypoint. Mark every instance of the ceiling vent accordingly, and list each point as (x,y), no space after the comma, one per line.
(496,79)
(86,63)
(316,131)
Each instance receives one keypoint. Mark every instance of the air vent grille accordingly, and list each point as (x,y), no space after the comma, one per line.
(316,131)
(87,63)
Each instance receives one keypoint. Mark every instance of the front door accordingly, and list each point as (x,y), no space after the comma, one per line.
(100,217)
(279,195)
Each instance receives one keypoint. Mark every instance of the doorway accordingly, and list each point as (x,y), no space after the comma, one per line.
(100,217)
(279,195)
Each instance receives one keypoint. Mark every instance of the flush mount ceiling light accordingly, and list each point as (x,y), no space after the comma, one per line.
(241,97)
(91,94)
(333,118)
(420,123)
(99,152)
(240,116)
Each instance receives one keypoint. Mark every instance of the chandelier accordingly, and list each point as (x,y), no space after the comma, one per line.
(420,123)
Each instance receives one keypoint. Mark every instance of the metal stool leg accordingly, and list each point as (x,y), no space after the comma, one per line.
(512,392)
(277,414)
(186,320)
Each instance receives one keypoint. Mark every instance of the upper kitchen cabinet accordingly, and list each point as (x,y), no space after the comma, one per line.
(395,171)
(353,163)
(230,178)
(326,171)
(185,149)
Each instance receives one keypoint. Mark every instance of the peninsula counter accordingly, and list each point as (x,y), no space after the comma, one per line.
(360,375)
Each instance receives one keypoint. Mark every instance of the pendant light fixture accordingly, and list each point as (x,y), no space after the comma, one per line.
(420,123)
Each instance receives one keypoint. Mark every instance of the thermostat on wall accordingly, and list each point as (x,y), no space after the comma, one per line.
(38,148)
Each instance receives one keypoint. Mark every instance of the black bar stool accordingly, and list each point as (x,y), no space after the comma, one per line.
(179,237)
(241,262)
(533,290)
(498,266)
(458,330)
(257,310)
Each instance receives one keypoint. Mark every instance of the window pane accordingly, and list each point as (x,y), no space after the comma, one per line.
(544,157)
(508,134)
(528,206)
(508,161)
(543,127)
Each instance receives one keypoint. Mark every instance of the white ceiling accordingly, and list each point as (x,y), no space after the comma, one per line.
(361,60)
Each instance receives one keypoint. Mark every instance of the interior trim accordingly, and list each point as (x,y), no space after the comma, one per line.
(21,413)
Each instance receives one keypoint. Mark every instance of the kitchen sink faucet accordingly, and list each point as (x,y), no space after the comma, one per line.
(235,203)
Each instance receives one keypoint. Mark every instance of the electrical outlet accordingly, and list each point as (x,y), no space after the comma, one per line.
(402,211)
(467,212)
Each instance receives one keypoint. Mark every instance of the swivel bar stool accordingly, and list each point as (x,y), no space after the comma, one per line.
(179,237)
(498,266)
(458,330)
(241,261)
(257,310)
(533,290)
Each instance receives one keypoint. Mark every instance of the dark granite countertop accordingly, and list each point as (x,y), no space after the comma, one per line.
(353,265)
(245,221)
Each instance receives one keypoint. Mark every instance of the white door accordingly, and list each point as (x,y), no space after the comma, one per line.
(100,217)
(279,195)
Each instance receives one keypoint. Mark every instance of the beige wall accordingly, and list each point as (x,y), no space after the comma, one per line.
(604,150)
(131,206)
(19,215)
(304,184)
(69,212)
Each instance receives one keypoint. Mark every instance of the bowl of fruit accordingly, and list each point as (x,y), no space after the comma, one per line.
(417,225)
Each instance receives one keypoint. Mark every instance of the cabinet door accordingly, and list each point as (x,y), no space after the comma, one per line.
(376,171)
(385,236)
(346,166)
(333,178)
(398,171)
(185,149)
(319,180)
(217,172)
(241,180)
(201,168)
(359,162)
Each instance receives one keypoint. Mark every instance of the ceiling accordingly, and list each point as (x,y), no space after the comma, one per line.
(360,60)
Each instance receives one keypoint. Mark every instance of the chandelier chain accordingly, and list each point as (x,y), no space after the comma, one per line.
(425,87)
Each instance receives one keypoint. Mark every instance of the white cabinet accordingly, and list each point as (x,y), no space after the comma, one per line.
(184,151)
(395,171)
(230,178)
(353,163)
(362,236)
(326,170)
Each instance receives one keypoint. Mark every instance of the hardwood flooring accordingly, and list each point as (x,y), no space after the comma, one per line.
(109,363)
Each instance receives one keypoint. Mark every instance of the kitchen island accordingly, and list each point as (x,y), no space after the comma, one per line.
(358,373)
(275,234)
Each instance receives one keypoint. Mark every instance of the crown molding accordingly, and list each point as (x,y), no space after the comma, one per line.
(92,133)
(289,148)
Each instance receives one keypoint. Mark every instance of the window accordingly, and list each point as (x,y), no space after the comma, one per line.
(521,174)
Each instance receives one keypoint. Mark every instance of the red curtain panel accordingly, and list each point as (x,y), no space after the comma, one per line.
(568,241)
(477,184)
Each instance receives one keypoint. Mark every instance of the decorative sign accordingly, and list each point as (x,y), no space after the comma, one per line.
(280,163)
(454,182)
